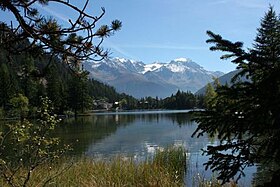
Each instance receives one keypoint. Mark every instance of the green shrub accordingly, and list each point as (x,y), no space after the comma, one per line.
(26,146)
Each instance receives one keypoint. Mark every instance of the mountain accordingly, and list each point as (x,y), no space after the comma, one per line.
(225,79)
(157,79)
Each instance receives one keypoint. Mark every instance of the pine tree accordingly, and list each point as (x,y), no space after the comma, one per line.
(79,98)
(246,115)
(210,95)
(56,90)
(7,89)
(267,46)
(49,37)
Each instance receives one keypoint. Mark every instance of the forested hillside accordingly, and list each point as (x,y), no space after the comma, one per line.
(40,75)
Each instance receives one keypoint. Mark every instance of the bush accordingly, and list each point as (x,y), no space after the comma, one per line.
(25,146)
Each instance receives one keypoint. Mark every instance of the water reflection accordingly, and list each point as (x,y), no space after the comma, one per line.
(84,131)
(137,134)
(111,133)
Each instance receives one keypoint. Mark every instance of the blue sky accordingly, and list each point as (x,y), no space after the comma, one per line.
(162,30)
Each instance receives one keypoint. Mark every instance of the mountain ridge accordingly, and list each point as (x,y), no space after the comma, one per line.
(156,79)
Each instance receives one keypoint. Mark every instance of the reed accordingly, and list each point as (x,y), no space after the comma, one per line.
(165,169)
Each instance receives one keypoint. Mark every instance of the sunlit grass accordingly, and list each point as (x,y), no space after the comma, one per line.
(167,168)
(174,160)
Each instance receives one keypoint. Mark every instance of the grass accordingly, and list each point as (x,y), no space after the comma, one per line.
(173,160)
(167,168)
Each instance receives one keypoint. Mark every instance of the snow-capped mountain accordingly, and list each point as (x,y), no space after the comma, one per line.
(156,79)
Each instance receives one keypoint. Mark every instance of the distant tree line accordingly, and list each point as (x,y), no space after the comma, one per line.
(181,100)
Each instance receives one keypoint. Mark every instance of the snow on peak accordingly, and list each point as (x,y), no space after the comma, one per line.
(182,60)
(152,67)
(122,60)
(176,68)
(179,65)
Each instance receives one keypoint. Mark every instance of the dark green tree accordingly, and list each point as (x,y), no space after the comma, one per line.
(246,115)
(28,84)
(79,99)
(56,90)
(181,100)
(7,89)
(210,95)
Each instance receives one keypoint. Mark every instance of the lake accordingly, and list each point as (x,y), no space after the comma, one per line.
(138,134)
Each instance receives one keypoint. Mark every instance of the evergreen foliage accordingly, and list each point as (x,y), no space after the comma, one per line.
(33,32)
(245,116)
(181,100)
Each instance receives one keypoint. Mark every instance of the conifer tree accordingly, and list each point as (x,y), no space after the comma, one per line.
(6,84)
(209,96)
(246,115)
(56,90)
(79,98)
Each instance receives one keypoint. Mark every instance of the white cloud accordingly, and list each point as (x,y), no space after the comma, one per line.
(119,49)
(53,13)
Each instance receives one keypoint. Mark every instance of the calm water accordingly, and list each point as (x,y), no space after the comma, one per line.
(138,134)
